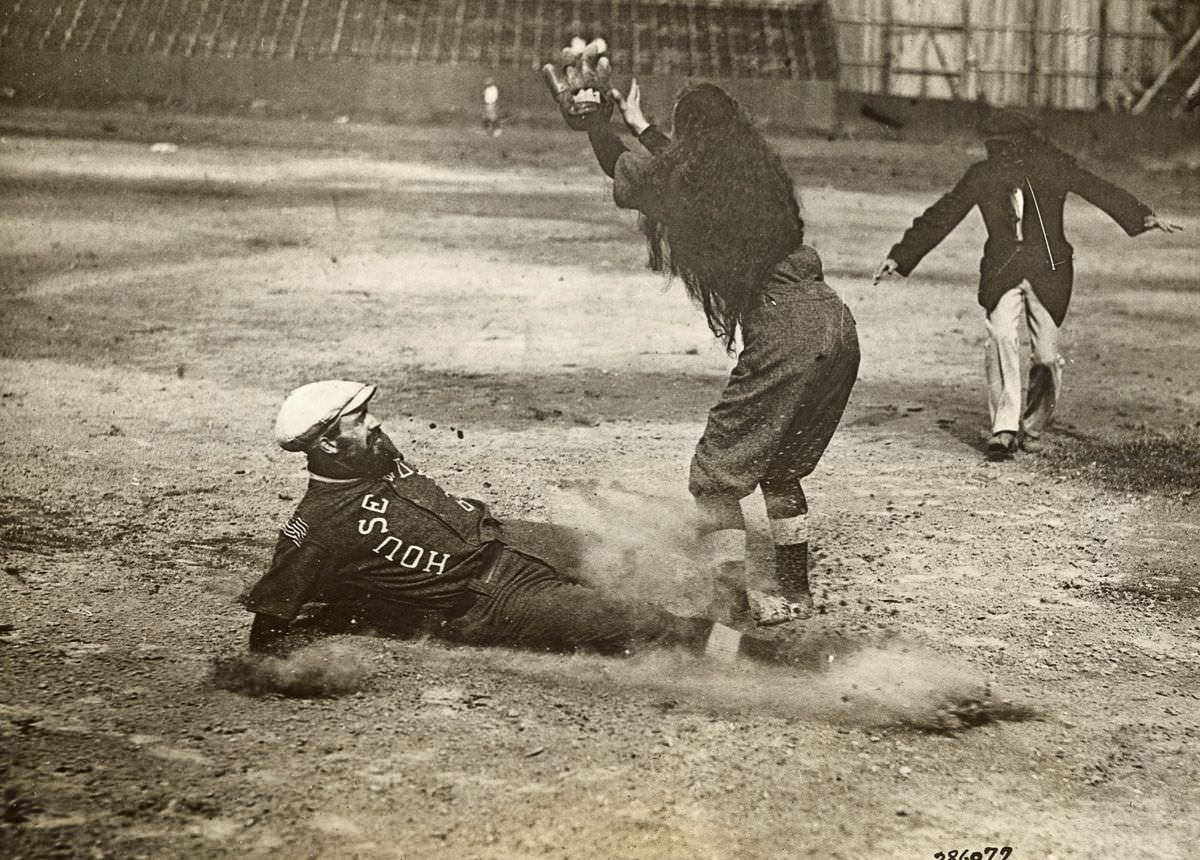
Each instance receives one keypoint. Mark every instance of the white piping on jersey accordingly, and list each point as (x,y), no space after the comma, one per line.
(789,530)
(1045,236)
(1018,205)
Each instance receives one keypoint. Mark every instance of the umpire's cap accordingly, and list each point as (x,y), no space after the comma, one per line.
(310,410)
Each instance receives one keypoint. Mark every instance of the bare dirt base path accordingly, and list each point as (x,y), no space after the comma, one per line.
(158,305)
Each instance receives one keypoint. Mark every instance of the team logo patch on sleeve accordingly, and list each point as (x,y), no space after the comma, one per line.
(295,530)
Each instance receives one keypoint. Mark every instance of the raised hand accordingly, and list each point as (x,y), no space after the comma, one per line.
(582,90)
(631,107)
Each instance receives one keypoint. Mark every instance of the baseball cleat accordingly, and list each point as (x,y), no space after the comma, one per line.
(771,609)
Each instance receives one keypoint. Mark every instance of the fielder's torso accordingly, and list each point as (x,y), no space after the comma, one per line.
(400,538)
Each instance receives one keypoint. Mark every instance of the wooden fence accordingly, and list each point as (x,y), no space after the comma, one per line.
(1070,54)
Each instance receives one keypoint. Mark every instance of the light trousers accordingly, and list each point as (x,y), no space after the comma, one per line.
(1003,363)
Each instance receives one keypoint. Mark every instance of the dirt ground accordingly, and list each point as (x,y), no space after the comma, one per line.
(158,302)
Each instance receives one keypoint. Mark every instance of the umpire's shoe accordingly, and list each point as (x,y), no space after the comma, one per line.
(1032,444)
(1002,446)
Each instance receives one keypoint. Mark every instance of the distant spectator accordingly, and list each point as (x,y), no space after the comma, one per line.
(491,108)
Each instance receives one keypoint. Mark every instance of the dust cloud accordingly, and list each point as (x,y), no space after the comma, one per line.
(325,669)
(634,543)
(888,684)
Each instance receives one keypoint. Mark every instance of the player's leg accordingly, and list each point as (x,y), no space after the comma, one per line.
(1045,372)
(738,440)
(1002,365)
(787,515)
(525,604)
(717,491)
(722,534)
(820,399)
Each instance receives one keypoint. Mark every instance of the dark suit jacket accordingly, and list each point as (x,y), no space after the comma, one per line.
(1045,176)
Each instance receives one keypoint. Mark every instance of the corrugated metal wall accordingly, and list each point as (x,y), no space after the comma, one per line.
(1076,54)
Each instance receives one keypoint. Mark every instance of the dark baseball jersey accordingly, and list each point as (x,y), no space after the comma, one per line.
(401,539)
(404,543)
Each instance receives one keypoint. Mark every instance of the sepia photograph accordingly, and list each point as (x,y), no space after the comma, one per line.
(600,429)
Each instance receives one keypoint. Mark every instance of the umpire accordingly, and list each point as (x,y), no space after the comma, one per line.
(1027,267)
(373,532)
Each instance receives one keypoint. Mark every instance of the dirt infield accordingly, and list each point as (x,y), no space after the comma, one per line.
(159,301)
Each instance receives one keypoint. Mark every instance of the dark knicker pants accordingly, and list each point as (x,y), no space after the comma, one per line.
(521,601)
(784,399)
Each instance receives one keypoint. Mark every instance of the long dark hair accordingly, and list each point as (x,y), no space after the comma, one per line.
(733,209)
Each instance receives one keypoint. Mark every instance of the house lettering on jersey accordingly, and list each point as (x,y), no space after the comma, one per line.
(407,555)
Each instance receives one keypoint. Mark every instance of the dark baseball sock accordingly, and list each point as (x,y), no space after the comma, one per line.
(719,513)
(723,536)
(791,569)
(726,550)
(787,512)
(730,601)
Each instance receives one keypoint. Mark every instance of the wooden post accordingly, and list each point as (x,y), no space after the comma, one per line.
(1165,75)
(885,73)
(1031,81)
(1102,53)
(1188,95)
(967,83)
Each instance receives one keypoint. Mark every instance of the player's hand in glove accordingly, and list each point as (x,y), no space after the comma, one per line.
(630,107)
(1153,222)
(889,267)
(582,91)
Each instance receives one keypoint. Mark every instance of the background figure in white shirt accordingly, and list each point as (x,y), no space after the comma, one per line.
(491,108)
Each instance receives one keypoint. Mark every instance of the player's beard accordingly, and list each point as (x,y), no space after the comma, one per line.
(374,459)
(383,453)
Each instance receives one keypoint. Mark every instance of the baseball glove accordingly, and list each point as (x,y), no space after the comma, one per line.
(582,91)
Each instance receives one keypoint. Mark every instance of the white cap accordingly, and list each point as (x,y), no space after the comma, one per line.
(310,410)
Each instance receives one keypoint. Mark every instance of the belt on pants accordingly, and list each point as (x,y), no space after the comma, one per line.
(480,585)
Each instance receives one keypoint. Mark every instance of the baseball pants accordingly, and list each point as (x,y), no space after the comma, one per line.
(778,412)
(1002,363)
(523,602)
